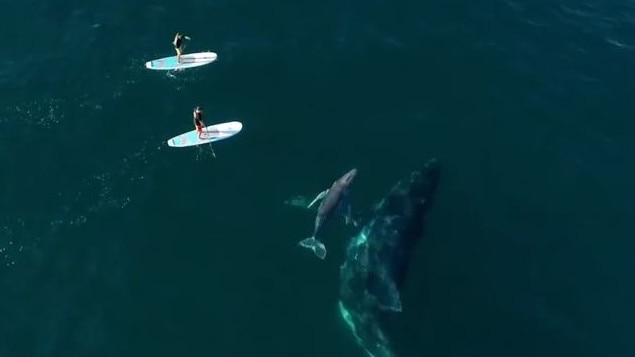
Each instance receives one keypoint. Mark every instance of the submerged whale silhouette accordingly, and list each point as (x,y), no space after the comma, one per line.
(333,199)
(377,259)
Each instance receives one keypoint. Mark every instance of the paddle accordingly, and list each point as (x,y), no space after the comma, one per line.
(185,44)
(210,144)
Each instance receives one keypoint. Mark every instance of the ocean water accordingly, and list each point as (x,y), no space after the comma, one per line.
(113,244)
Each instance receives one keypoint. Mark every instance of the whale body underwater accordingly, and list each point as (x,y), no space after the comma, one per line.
(377,259)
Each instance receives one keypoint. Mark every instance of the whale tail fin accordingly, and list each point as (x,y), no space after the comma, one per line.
(315,245)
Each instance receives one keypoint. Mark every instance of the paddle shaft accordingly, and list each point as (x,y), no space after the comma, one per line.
(210,144)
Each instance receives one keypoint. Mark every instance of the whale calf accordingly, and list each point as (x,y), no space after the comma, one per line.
(333,199)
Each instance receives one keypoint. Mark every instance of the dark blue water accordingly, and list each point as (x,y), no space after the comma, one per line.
(113,244)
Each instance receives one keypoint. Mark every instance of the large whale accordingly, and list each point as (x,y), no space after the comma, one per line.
(377,259)
(333,199)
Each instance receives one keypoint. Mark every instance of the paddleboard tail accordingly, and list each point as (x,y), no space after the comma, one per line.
(315,245)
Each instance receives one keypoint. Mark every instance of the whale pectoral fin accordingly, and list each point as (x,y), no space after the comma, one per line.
(345,209)
(317,198)
(348,215)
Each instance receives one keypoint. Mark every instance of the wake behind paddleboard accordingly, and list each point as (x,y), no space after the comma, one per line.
(210,134)
(187,61)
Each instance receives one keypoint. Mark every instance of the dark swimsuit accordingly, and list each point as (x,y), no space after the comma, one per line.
(178,43)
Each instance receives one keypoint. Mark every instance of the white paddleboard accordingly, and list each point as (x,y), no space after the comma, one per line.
(187,61)
(210,134)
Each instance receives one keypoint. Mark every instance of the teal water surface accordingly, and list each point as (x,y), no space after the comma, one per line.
(113,244)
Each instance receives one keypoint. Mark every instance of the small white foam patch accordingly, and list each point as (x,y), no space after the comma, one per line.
(8,248)
(45,113)
(20,234)
(95,193)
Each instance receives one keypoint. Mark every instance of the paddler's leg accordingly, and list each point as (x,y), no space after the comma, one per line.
(318,197)
(179,51)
